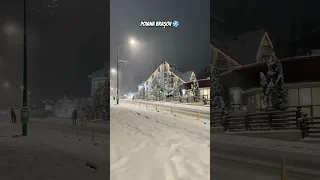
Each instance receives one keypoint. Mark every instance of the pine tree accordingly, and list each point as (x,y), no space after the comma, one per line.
(155,89)
(101,99)
(215,90)
(195,90)
(277,93)
(176,91)
(165,91)
(142,93)
(273,91)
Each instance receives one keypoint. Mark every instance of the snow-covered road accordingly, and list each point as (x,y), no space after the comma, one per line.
(148,145)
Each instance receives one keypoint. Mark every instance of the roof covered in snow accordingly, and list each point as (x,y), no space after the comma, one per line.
(243,48)
(203,83)
(248,76)
(185,76)
(48,101)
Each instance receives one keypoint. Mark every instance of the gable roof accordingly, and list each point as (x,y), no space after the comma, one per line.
(185,76)
(243,48)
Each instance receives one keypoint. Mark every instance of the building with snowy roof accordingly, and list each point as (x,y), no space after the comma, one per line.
(97,79)
(241,59)
(167,75)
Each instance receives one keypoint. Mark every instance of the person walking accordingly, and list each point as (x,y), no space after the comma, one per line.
(13,116)
(74,116)
(204,100)
(132,98)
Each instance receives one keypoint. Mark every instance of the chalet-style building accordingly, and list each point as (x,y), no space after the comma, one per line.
(204,88)
(168,74)
(49,107)
(242,58)
(97,79)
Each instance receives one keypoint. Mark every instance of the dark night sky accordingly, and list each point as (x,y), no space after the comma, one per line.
(186,46)
(63,49)
(274,15)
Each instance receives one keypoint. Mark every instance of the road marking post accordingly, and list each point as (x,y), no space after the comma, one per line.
(283,169)
(146,106)
(156,108)
(198,115)
(92,137)
(171,110)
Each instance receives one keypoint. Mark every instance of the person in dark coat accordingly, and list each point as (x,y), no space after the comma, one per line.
(13,116)
(74,116)
(204,100)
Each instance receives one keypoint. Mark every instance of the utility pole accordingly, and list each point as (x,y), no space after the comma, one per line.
(118,73)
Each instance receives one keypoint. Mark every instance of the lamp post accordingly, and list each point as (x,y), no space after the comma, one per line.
(25,109)
(118,45)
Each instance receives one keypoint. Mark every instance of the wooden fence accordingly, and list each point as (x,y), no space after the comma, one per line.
(265,121)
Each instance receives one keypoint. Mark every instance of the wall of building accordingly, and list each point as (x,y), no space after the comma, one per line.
(306,95)
(164,76)
(266,50)
(204,92)
(97,82)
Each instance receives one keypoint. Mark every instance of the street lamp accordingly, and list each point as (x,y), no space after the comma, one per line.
(25,109)
(132,42)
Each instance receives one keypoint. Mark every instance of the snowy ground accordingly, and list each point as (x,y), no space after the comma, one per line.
(148,145)
(51,154)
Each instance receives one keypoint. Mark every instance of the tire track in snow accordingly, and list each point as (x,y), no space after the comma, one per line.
(158,152)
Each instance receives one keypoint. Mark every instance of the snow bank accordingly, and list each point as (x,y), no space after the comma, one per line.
(152,145)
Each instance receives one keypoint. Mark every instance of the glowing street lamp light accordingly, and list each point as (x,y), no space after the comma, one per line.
(132,42)
(113,70)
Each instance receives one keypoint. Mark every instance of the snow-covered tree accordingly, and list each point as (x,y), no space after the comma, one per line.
(195,90)
(101,98)
(165,91)
(142,93)
(176,91)
(155,89)
(215,89)
(273,85)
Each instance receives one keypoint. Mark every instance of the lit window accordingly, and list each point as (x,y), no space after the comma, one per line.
(205,92)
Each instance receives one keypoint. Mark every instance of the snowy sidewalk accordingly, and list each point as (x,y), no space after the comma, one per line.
(47,154)
(151,145)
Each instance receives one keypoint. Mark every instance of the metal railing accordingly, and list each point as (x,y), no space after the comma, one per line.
(199,114)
